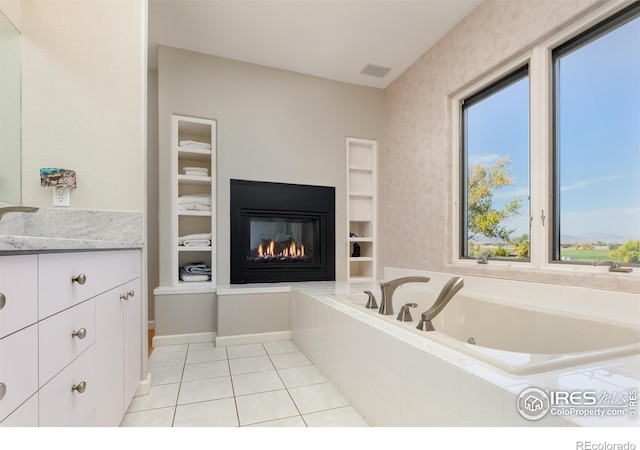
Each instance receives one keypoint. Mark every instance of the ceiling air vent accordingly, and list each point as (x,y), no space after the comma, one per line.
(375,71)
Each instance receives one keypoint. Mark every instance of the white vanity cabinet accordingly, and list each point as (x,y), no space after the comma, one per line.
(18,368)
(18,293)
(119,346)
(70,337)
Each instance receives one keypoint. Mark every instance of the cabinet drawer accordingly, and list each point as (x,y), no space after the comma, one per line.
(62,406)
(18,293)
(25,416)
(18,368)
(56,275)
(58,345)
(116,267)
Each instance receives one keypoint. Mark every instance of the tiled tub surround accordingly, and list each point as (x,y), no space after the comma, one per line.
(396,377)
(272,384)
(70,229)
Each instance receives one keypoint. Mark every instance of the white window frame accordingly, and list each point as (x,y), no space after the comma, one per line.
(539,59)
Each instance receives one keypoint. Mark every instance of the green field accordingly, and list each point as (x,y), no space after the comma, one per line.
(567,254)
(596,254)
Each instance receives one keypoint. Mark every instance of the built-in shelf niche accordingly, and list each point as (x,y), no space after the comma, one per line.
(192,221)
(361,208)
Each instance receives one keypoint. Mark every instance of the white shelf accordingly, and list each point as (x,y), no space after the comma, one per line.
(361,208)
(360,169)
(192,222)
(194,154)
(195,213)
(194,180)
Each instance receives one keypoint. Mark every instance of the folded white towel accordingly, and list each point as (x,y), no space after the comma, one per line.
(196,169)
(193,207)
(197,243)
(202,199)
(191,277)
(195,144)
(193,173)
(195,236)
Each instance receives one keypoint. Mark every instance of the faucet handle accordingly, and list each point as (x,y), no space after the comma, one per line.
(371,303)
(405,313)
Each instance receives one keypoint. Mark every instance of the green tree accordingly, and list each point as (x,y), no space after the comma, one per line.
(482,217)
(521,246)
(629,252)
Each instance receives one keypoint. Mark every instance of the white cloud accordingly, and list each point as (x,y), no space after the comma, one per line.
(512,193)
(584,183)
(485,160)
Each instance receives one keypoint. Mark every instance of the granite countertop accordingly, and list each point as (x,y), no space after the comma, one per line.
(51,229)
(38,243)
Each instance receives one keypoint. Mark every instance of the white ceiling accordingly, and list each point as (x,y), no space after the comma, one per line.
(329,39)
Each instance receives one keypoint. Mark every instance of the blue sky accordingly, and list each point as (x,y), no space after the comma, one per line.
(599,141)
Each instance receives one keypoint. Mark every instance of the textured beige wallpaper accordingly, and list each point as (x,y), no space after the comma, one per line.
(417,195)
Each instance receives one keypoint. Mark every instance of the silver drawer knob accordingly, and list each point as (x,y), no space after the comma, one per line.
(3,390)
(126,295)
(80,334)
(80,387)
(80,279)
(3,300)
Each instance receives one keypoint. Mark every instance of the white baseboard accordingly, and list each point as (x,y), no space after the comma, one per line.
(189,338)
(258,338)
(144,387)
(151,324)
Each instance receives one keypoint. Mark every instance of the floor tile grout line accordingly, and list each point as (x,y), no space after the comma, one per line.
(233,390)
(235,396)
(287,389)
(175,407)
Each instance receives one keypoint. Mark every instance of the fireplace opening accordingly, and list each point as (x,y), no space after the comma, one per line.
(281,232)
(282,240)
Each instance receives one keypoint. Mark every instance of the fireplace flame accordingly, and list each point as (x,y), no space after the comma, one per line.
(292,251)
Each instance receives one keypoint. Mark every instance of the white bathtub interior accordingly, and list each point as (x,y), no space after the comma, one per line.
(520,339)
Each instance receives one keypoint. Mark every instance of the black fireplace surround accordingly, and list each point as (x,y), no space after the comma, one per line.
(281,232)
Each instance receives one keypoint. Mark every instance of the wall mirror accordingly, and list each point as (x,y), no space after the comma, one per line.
(10,140)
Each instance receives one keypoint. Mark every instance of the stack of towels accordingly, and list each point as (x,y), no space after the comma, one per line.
(194,202)
(195,272)
(195,240)
(196,171)
(195,144)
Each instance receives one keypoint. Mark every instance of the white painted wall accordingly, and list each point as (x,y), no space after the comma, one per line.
(84,100)
(273,125)
(11,9)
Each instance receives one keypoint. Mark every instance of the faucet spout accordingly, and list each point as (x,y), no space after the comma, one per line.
(389,287)
(9,209)
(448,291)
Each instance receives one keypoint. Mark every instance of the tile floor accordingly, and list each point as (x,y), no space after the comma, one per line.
(271,384)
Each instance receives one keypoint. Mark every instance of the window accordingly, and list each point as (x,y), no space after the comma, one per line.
(495,170)
(597,143)
(550,153)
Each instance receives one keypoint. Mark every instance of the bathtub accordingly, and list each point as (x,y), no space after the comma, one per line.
(518,340)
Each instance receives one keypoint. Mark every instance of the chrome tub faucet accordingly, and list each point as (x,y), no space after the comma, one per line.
(389,287)
(448,291)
